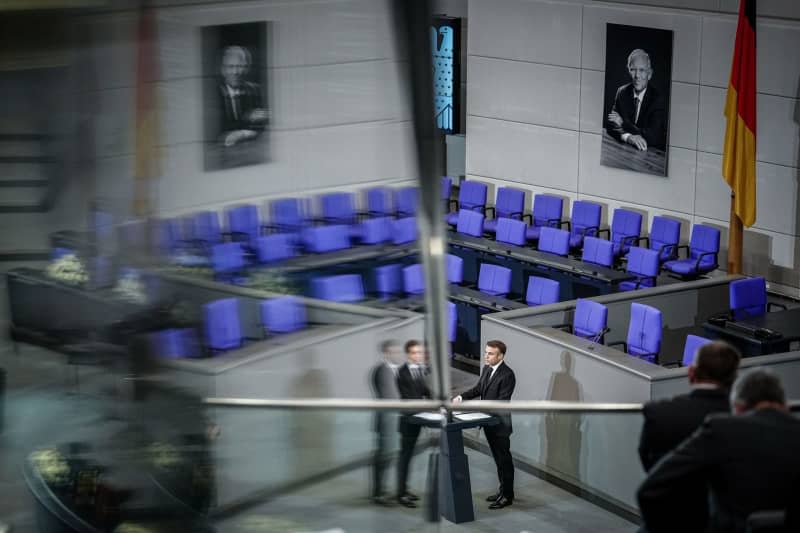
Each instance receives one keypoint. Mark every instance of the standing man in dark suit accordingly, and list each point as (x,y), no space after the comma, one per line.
(749,461)
(497,382)
(667,423)
(383,379)
(412,384)
(639,115)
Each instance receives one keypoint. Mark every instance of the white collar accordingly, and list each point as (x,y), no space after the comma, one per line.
(640,95)
(494,367)
(704,386)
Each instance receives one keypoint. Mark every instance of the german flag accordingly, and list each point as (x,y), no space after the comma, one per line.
(739,153)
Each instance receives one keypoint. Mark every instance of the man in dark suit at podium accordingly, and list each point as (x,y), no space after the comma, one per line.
(749,461)
(639,115)
(497,382)
(412,384)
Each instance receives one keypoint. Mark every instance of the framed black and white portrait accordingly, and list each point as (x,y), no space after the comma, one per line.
(235,104)
(636,100)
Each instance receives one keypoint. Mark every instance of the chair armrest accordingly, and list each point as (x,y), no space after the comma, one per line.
(673,252)
(701,256)
(494,211)
(629,239)
(620,343)
(770,305)
(645,278)
(529,216)
(553,222)
(607,231)
(516,215)
(682,247)
(562,223)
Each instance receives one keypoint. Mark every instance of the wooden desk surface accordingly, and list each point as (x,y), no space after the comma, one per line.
(614,153)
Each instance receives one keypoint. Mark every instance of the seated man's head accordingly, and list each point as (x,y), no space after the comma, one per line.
(391,351)
(759,388)
(715,363)
(235,64)
(415,352)
(639,69)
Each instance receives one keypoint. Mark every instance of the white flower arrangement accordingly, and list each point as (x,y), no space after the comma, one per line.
(131,288)
(68,269)
(51,465)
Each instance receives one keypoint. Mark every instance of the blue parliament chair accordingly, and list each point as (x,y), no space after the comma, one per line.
(693,343)
(223,330)
(205,228)
(338,208)
(701,254)
(469,222)
(446,191)
(375,230)
(626,226)
(174,343)
(452,321)
(547,212)
(510,203)
(510,231)
(379,202)
(542,291)
(643,263)
(406,200)
(585,222)
(321,239)
(388,280)
(665,233)
(283,314)
(346,288)
(589,321)
(471,197)
(288,215)
(404,230)
(413,279)
(57,252)
(275,247)
(494,279)
(644,333)
(454,269)
(244,224)
(554,241)
(165,234)
(227,260)
(597,251)
(748,298)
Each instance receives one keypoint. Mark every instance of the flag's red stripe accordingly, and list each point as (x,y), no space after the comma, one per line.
(743,70)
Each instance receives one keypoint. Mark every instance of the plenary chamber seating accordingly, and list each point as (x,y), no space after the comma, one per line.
(469,223)
(388,280)
(554,241)
(665,233)
(748,298)
(471,197)
(275,247)
(379,202)
(284,314)
(414,278)
(693,343)
(701,254)
(510,203)
(343,288)
(404,230)
(288,215)
(589,321)
(626,226)
(510,231)
(597,251)
(494,279)
(585,222)
(547,212)
(243,223)
(643,263)
(644,333)
(406,201)
(227,260)
(322,239)
(542,291)
(222,328)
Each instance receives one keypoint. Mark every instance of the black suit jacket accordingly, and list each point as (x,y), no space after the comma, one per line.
(499,387)
(248,100)
(410,389)
(750,462)
(667,423)
(652,123)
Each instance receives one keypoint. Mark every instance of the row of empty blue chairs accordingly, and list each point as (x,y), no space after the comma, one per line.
(222,328)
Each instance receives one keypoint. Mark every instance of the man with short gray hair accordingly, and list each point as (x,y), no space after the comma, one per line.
(639,115)
(749,461)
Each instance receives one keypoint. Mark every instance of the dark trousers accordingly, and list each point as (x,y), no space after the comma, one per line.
(501,453)
(409,434)
(380,460)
